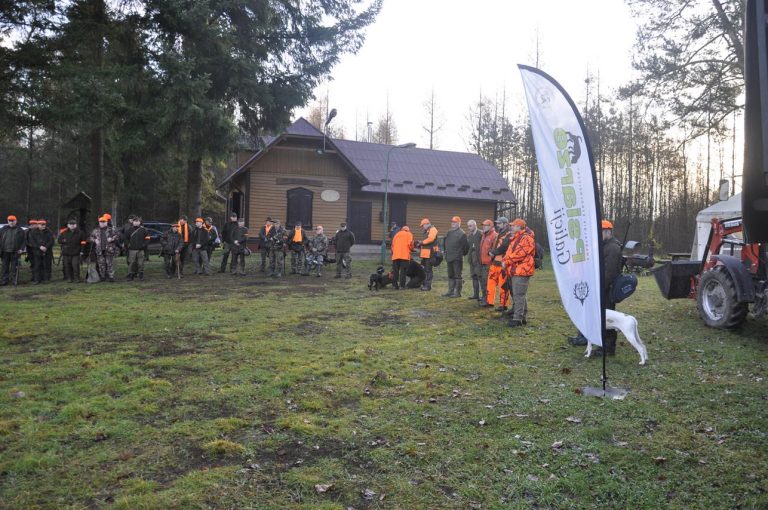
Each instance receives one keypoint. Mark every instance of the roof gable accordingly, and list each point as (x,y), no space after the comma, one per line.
(302,127)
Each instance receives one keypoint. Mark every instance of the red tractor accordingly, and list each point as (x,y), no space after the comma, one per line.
(731,277)
(732,272)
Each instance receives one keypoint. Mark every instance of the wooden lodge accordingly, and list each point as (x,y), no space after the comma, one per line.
(300,176)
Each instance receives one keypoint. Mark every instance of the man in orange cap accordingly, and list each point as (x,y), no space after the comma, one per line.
(185,230)
(456,247)
(136,239)
(72,241)
(519,266)
(39,243)
(12,243)
(427,247)
(496,275)
(104,239)
(402,246)
(172,247)
(198,240)
(486,259)
(612,261)
(50,241)
(317,251)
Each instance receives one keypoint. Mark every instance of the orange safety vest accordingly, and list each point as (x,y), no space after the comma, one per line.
(426,244)
(402,244)
(499,241)
(184,232)
(297,235)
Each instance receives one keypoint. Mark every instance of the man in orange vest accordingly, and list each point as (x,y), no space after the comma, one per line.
(486,245)
(496,277)
(297,239)
(184,231)
(519,266)
(426,247)
(402,246)
(264,235)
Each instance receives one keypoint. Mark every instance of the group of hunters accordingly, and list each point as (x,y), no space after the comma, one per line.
(501,260)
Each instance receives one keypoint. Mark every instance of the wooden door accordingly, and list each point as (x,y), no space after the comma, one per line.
(360,220)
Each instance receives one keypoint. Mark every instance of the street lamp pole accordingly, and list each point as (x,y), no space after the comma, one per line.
(386,190)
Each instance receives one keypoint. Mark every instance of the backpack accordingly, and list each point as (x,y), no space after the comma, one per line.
(623,286)
(538,256)
(437,256)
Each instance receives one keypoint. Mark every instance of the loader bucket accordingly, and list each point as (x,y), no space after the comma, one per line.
(674,278)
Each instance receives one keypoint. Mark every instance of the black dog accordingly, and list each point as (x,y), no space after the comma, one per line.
(379,279)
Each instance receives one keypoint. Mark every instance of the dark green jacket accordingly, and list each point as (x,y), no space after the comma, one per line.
(473,240)
(611,260)
(456,245)
(70,242)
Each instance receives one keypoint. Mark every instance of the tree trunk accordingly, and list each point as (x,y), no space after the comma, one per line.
(194,187)
(97,167)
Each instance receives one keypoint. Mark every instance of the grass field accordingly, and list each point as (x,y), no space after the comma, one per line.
(240,393)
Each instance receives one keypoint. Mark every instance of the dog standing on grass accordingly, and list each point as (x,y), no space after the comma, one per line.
(380,279)
(628,326)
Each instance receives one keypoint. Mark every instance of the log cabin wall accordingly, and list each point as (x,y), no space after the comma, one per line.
(438,210)
(282,169)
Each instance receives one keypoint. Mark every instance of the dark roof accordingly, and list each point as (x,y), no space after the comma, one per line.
(302,127)
(426,172)
(411,171)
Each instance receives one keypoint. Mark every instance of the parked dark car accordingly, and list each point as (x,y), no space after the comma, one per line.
(157,225)
(154,241)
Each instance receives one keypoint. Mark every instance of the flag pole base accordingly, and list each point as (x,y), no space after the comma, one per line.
(612,393)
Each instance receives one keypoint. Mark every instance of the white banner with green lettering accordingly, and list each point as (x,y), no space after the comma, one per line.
(571,208)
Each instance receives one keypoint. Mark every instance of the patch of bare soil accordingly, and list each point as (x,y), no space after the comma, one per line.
(309,328)
(175,343)
(383,318)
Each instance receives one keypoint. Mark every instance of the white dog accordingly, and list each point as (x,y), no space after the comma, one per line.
(628,327)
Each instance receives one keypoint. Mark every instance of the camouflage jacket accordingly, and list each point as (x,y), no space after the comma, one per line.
(318,245)
(171,243)
(109,244)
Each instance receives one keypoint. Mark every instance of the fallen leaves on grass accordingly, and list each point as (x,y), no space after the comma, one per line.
(573,419)
(322,488)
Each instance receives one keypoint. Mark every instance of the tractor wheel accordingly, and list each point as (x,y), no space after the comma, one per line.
(717,300)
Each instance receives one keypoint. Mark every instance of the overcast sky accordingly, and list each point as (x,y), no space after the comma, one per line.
(461,48)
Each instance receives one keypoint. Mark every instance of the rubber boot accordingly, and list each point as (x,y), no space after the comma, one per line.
(451,286)
(475,290)
(457,288)
(610,346)
(141,277)
(129,277)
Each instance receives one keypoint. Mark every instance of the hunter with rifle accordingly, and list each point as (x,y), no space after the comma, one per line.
(72,241)
(11,247)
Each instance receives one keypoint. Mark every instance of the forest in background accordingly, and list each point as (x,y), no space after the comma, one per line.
(141,104)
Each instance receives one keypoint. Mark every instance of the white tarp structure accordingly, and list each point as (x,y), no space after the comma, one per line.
(730,208)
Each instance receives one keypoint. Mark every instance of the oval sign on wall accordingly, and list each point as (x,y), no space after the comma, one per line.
(330,195)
